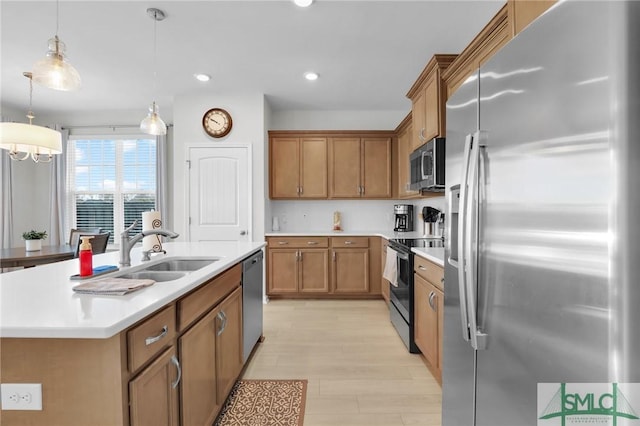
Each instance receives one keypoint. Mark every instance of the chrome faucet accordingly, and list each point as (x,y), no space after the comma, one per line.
(127,243)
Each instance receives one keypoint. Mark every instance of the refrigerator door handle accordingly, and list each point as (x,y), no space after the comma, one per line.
(478,339)
(462,213)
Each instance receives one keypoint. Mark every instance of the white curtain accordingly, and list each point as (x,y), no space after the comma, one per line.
(57,197)
(6,194)
(161,178)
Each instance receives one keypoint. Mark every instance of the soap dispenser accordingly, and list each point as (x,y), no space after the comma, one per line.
(86,256)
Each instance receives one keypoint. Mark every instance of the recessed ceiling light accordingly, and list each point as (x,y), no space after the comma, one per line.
(303,3)
(202,77)
(311,76)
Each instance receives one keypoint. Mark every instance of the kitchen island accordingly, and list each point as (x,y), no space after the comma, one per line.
(117,360)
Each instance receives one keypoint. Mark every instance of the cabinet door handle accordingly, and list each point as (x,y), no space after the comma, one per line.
(222,317)
(283,243)
(432,295)
(150,340)
(334,256)
(362,190)
(421,135)
(175,362)
(301,190)
(312,243)
(442,281)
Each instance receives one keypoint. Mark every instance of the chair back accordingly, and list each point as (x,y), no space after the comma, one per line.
(73,235)
(98,242)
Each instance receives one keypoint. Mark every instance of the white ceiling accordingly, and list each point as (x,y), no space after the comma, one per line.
(368,53)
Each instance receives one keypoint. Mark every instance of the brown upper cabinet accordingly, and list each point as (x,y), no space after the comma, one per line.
(493,36)
(360,167)
(428,97)
(512,18)
(298,167)
(331,164)
(524,12)
(405,145)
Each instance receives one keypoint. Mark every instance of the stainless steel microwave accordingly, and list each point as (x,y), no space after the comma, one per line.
(427,166)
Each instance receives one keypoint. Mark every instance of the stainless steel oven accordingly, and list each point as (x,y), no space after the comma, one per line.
(401,308)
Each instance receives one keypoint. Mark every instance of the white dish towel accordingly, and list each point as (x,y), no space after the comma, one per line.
(390,267)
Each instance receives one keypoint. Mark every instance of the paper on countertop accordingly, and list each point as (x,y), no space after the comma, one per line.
(112,286)
(390,267)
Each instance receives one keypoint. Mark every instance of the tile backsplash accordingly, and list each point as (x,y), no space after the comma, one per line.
(356,215)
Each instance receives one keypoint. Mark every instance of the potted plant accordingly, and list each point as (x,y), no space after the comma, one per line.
(33,239)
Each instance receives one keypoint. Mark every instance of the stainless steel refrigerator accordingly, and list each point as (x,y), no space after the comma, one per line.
(542,256)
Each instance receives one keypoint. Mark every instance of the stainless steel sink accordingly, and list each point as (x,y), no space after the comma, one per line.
(157,276)
(184,265)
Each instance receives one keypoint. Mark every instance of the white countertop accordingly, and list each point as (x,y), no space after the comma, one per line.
(39,302)
(376,233)
(435,255)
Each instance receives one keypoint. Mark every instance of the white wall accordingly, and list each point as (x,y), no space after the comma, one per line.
(337,120)
(30,197)
(248,113)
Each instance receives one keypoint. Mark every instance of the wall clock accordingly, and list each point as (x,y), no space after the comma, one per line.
(217,122)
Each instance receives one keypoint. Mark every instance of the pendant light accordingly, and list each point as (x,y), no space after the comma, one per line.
(54,71)
(28,140)
(152,124)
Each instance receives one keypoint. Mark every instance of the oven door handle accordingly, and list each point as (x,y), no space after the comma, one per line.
(400,255)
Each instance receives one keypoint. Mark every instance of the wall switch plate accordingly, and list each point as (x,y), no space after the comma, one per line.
(21,396)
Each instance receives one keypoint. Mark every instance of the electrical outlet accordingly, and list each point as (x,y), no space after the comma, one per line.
(21,396)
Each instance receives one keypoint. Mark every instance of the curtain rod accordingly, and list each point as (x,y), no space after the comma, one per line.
(107,126)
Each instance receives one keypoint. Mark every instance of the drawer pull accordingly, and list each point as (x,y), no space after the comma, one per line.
(312,243)
(422,268)
(283,243)
(150,340)
(348,242)
(175,362)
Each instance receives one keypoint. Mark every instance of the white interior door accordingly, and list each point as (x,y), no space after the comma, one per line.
(219,193)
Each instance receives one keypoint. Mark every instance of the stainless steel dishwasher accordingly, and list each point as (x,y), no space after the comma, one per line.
(251,302)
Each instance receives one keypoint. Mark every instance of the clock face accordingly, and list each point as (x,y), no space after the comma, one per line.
(217,122)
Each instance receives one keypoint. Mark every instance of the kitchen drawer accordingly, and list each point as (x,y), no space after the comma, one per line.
(297,242)
(201,300)
(429,271)
(349,242)
(149,337)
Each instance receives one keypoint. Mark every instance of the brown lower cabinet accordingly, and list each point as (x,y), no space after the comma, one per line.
(210,353)
(299,267)
(176,366)
(428,313)
(154,393)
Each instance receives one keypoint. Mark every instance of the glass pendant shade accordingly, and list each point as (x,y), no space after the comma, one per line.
(152,124)
(53,71)
(28,140)
(24,140)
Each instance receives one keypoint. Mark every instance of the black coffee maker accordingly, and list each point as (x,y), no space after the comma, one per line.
(403,217)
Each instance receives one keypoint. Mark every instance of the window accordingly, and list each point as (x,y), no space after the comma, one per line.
(111,182)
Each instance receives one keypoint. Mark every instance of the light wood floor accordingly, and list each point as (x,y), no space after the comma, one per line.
(359,371)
